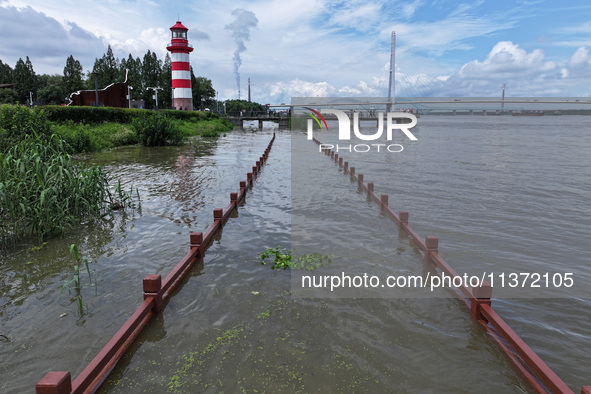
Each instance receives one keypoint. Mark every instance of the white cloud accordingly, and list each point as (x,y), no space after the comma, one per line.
(153,39)
(317,47)
(361,17)
(579,64)
(282,91)
(409,9)
(508,59)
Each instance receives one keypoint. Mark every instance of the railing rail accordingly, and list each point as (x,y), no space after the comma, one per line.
(156,293)
(477,299)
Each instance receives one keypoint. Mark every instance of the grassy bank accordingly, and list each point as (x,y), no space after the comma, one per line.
(43,191)
(97,136)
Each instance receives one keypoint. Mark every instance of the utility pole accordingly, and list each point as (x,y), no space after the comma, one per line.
(96,102)
(155,94)
(503,97)
(249,90)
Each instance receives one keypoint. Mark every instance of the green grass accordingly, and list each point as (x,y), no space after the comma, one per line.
(204,128)
(95,137)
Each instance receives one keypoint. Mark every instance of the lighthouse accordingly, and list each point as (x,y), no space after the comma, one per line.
(179,47)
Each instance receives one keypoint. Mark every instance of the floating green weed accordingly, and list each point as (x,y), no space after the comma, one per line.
(283,259)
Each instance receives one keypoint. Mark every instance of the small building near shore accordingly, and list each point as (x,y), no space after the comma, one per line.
(114,95)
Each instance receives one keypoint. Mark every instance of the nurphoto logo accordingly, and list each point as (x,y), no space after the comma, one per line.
(402,121)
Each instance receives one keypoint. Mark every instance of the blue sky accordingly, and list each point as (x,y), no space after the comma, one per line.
(325,47)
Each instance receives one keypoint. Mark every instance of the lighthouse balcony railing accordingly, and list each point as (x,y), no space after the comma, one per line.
(179,44)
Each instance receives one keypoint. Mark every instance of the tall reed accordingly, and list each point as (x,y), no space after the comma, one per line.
(42,190)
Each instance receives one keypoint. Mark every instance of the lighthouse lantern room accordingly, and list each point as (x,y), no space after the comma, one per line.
(179,47)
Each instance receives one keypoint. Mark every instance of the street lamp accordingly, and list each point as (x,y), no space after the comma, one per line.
(155,94)
(129,89)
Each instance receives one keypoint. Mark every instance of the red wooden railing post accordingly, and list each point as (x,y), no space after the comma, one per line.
(432,244)
(346,166)
(360,178)
(54,383)
(217,214)
(384,200)
(482,296)
(369,187)
(403,216)
(352,171)
(196,238)
(152,285)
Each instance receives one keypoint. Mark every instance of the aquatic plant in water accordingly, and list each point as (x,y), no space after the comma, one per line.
(283,259)
(75,280)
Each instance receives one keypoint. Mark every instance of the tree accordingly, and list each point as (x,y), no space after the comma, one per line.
(151,70)
(106,69)
(8,96)
(134,75)
(239,105)
(203,92)
(72,81)
(25,79)
(51,89)
(5,73)
(166,83)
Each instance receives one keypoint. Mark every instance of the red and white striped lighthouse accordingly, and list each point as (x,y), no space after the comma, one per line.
(180,48)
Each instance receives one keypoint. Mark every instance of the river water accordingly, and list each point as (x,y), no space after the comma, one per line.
(503,194)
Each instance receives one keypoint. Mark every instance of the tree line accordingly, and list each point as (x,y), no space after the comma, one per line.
(142,73)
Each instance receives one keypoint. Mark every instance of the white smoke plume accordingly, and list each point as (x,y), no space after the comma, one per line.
(240,28)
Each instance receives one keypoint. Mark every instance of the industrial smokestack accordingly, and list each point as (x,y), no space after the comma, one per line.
(240,28)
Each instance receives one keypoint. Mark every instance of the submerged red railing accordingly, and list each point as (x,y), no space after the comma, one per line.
(477,299)
(156,293)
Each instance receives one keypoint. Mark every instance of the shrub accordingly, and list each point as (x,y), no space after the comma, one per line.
(17,121)
(155,129)
(88,115)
